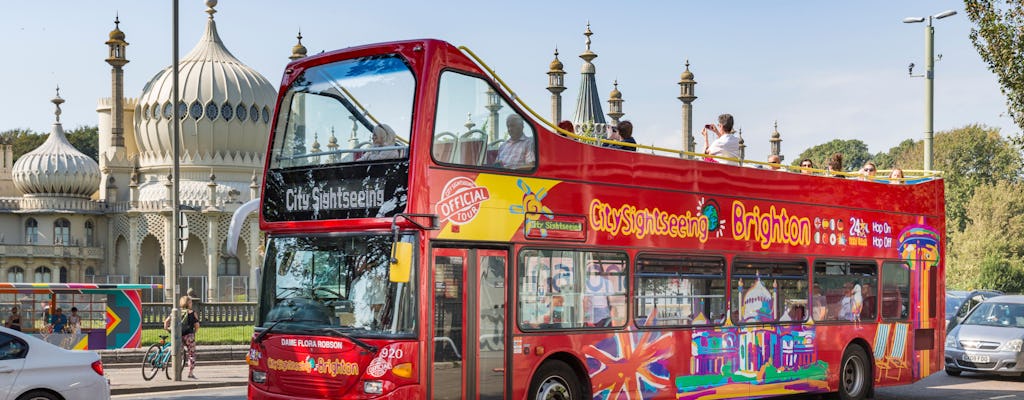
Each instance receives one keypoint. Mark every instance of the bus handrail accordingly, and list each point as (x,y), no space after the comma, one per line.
(681,153)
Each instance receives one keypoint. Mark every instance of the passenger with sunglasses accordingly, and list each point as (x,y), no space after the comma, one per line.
(867,172)
(806,165)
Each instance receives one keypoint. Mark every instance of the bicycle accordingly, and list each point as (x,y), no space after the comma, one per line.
(157,357)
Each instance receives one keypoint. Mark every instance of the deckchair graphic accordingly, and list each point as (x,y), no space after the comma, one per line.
(893,362)
(880,346)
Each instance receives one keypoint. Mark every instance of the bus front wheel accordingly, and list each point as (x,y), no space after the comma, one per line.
(555,381)
(854,374)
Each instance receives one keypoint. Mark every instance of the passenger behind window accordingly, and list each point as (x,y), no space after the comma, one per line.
(796,312)
(517,152)
(383,136)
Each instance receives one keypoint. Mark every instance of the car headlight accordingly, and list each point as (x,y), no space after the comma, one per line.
(952,342)
(1013,345)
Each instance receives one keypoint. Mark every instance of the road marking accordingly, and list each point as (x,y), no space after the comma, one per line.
(1003,397)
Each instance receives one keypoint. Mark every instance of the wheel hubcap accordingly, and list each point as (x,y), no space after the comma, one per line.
(554,388)
(853,378)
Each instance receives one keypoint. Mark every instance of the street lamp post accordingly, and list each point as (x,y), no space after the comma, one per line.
(929,80)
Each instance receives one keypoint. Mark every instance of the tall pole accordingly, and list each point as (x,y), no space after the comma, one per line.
(176,358)
(929,86)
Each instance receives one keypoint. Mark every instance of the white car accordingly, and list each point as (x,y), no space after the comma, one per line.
(31,369)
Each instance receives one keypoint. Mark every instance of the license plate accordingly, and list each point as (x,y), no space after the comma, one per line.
(976,358)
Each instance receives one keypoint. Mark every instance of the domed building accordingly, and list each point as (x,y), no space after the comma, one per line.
(110,222)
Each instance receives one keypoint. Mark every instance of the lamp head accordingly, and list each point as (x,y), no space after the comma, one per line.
(913,20)
(944,14)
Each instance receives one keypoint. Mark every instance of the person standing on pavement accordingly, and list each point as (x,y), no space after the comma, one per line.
(14,321)
(189,328)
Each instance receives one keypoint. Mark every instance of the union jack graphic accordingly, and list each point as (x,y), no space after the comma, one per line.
(631,365)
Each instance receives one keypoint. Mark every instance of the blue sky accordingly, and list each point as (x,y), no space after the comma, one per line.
(823,70)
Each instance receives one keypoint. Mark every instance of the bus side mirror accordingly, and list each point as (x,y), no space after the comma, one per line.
(401,262)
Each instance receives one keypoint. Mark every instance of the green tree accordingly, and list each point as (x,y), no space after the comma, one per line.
(22,140)
(993,237)
(87,140)
(998,36)
(887,160)
(1000,273)
(970,157)
(855,154)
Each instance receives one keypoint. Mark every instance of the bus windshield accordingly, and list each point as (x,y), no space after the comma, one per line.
(354,110)
(335,283)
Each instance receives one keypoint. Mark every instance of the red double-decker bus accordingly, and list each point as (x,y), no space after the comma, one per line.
(427,238)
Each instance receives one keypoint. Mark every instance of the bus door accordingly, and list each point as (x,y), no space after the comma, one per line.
(468,355)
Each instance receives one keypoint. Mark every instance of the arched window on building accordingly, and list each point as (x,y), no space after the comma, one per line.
(43,275)
(15,274)
(228,266)
(62,231)
(90,271)
(90,233)
(63,275)
(31,231)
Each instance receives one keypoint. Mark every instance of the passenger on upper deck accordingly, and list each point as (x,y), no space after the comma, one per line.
(517,152)
(726,145)
(835,164)
(383,136)
(622,133)
(566,125)
(806,165)
(868,171)
(896,176)
(774,160)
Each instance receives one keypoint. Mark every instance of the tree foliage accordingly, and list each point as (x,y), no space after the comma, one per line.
(998,36)
(84,138)
(992,240)
(970,157)
(855,154)
(887,160)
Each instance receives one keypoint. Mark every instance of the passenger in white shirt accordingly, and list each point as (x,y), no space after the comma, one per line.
(727,144)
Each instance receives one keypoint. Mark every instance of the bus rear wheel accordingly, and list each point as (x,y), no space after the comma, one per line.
(555,381)
(854,374)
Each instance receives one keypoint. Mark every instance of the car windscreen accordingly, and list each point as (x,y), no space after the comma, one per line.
(997,314)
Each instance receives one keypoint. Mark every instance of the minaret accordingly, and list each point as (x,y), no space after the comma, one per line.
(775,143)
(117,60)
(615,104)
(686,96)
(556,85)
(589,118)
(298,50)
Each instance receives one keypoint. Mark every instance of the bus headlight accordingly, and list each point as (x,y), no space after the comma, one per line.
(373,387)
(259,376)
(1013,345)
(951,342)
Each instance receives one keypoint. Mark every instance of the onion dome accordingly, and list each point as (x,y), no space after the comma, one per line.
(616,94)
(686,75)
(56,168)
(556,65)
(116,34)
(225,107)
(298,50)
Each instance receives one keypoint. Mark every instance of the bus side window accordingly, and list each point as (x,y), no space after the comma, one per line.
(475,126)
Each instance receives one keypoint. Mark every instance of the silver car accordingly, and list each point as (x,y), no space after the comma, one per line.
(989,339)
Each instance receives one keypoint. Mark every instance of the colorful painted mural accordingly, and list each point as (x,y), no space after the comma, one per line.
(123,312)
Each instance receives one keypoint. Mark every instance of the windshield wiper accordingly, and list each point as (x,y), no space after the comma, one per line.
(371,348)
(259,338)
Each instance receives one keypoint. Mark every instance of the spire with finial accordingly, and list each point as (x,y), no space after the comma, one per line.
(210,4)
(298,51)
(57,101)
(589,117)
(686,95)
